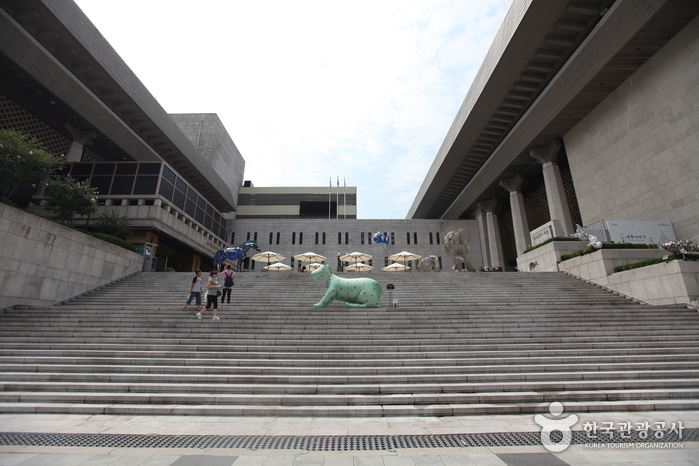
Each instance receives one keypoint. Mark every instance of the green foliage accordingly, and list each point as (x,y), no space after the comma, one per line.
(169,269)
(551,240)
(112,223)
(22,160)
(68,198)
(582,252)
(658,260)
(114,240)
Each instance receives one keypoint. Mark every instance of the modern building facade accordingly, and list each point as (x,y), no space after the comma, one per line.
(581,112)
(175,176)
(297,202)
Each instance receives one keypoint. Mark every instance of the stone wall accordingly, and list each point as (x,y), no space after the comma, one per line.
(636,156)
(42,262)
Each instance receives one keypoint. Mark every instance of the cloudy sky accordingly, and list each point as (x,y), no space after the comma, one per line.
(308,90)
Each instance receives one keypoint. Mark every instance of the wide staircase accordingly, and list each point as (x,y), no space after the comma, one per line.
(454,344)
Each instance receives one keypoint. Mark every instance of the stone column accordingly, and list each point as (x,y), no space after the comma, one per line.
(555,193)
(80,138)
(483,233)
(497,258)
(519,215)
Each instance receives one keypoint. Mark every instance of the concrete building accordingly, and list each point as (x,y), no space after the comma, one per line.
(297,202)
(175,176)
(580,112)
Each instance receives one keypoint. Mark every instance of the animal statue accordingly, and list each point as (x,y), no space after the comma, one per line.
(428,264)
(233,254)
(456,246)
(355,292)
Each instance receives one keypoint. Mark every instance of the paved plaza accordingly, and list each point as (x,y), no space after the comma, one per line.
(681,453)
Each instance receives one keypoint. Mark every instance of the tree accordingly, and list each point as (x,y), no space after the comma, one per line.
(112,223)
(23,160)
(68,198)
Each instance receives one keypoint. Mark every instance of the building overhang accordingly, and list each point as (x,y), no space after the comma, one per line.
(550,65)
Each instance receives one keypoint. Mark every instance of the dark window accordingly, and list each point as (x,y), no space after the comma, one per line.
(209,210)
(208,221)
(181,185)
(178,199)
(224,223)
(201,203)
(393,238)
(102,183)
(339,238)
(122,185)
(199,215)
(166,189)
(385,261)
(301,238)
(81,169)
(440,262)
(361,236)
(145,185)
(369,237)
(255,238)
(126,169)
(431,238)
(191,194)
(316,237)
(169,175)
(104,169)
(323,238)
(248,237)
(232,237)
(415,238)
(148,168)
(271,237)
(217,216)
(437,237)
(408,237)
(189,207)
(278,237)
(346,238)
(293,238)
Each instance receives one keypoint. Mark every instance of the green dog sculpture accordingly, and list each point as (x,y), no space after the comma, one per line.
(355,292)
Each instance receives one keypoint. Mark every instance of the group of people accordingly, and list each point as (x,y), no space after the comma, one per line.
(214,289)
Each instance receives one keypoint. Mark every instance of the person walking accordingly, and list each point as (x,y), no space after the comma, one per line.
(213,287)
(228,281)
(195,291)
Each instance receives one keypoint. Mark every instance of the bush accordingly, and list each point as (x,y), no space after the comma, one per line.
(114,240)
(551,240)
(112,223)
(658,260)
(68,198)
(582,252)
(169,269)
(23,160)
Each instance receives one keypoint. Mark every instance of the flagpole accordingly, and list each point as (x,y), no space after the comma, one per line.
(337,213)
(344,198)
(330,197)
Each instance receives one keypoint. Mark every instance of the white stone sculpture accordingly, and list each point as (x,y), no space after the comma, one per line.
(428,264)
(456,245)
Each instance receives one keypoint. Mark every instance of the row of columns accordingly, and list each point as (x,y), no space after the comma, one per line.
(486,215)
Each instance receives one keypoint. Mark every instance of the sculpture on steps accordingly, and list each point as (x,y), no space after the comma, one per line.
(233,254)
(456,246)
(428,264)
(355,292)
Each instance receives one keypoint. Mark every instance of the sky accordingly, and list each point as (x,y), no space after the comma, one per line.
(312,90)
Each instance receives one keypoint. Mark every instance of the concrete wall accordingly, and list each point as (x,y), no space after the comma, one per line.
(354,228)
(548,256)
(42,262)
(636,156)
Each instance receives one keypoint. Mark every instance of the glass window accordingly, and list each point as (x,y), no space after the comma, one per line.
(199,215)
(166,189)
(217,216)
(271,237)
(431,238)
(323,238)
(189,207)
(104,169)
(301,238)
(81,169)
(339,238)
(316,237)
(122,184)
(102,183)
(178,199)
(126,169)
(415,237)
(361,236)
(191,195)
(368,235)
(201,203)
(393,238)
(408,233)
(145,185)
(437,237)
(277,237)
(181,185)
(209,210)
(149,169)
(346,238)
(169,174)
(207,222)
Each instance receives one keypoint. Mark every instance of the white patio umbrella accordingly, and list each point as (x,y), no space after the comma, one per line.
(396,267)
(404,256)
(314,266)
(311,257)
(355,257)
(278,267)
(359,267)
(267,257)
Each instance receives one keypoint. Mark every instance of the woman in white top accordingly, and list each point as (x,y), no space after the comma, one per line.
(213,287)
